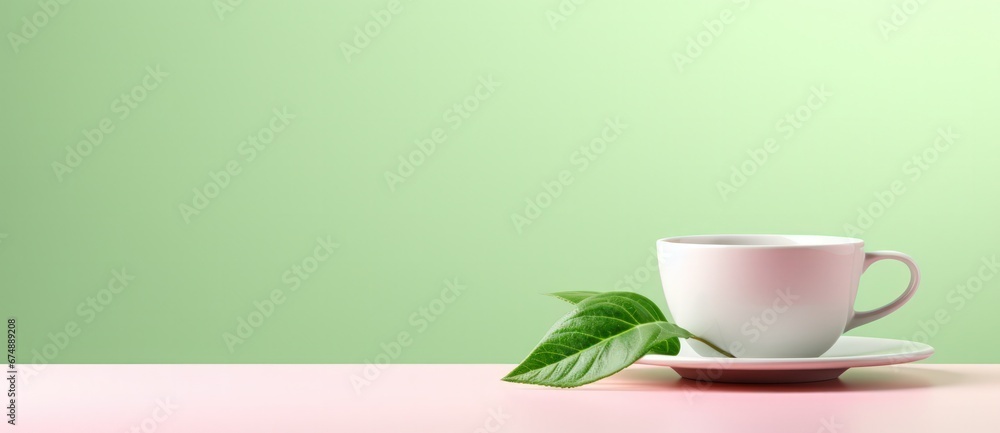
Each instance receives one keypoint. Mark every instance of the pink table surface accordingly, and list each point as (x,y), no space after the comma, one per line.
(471,398)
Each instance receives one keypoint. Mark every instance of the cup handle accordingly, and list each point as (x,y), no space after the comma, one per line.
(862,317)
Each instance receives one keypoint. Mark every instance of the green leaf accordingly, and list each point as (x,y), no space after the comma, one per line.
(601,336)
(669,347)
(673,329)
(573,297)
(577,296)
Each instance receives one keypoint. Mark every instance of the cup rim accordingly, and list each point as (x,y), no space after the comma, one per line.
(807,241)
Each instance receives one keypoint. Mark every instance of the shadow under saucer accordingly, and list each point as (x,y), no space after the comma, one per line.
(858,379)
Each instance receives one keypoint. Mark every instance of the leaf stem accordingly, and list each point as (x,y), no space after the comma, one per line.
(714,347)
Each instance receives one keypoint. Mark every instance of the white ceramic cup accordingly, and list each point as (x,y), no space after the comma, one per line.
(770,296)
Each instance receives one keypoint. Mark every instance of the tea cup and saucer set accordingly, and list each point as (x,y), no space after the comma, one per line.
(779,303)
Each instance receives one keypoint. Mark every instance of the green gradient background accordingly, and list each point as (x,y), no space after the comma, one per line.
(324,175)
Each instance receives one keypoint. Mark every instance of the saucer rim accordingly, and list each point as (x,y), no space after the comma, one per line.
(921,351)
